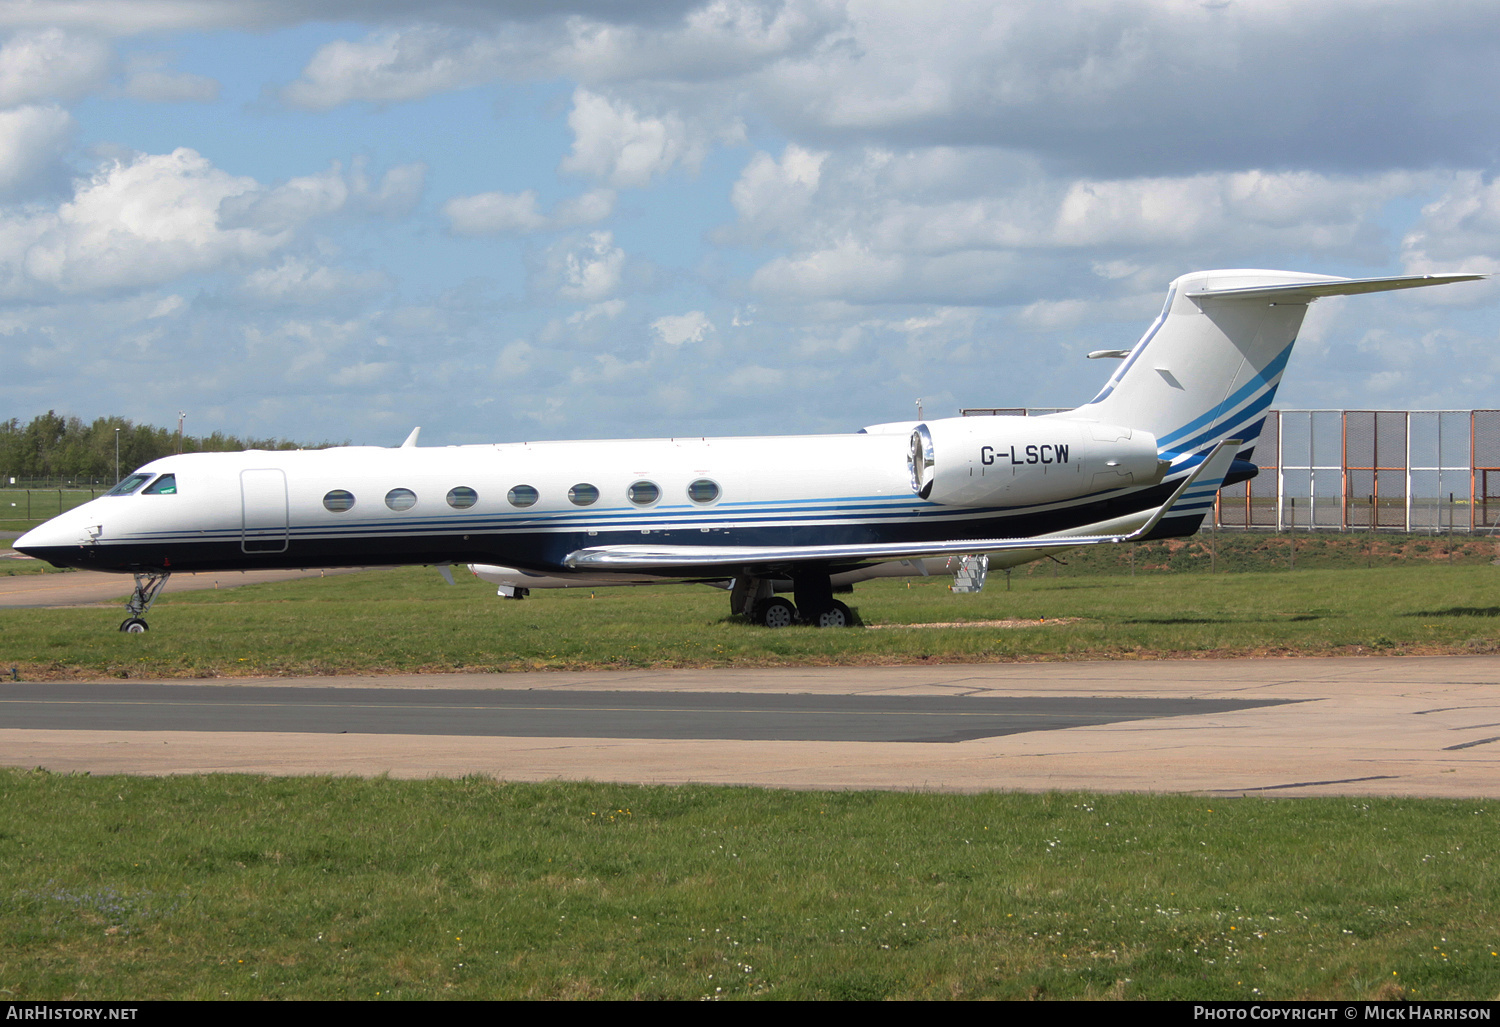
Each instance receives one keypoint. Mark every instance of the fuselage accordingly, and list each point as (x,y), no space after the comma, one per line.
(528,505)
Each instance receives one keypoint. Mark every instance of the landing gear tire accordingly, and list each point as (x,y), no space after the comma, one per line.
(134,626)
(836,616)
(775,613)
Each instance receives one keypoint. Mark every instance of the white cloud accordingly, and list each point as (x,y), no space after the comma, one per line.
(847,269)
(714,40)
(494,213)
(946,194)
(32,144)
(297,281)
(1149,88)
(302,348)
(395,66)
(606,310)
(677,329)
(587,270)
(1459,231)
(306,197)
(614,142)
(1296,208)
(148,79)
(290,204)
(397,195)
(514,360)
(774,196)
(157,217)
(168,306)
(479,43)
(938,226)
(518,213)
(585,208)
(51,64)
(131,225)
(753,380)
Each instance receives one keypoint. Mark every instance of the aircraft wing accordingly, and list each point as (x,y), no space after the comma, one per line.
(1193,496)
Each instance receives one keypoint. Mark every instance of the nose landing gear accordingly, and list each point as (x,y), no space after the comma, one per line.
(148,585)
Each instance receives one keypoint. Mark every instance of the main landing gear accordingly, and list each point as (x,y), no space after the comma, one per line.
(148,585)
(756,599)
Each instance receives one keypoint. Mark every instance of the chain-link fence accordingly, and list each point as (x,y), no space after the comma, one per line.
(22,509)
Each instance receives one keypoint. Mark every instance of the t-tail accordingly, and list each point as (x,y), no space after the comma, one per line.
(1207,368)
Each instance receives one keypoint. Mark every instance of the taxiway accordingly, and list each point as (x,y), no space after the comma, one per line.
(1379,726)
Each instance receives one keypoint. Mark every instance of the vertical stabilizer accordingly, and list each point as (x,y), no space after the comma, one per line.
(1208,367)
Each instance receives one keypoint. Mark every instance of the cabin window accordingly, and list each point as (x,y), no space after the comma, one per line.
(129,485)
(462,497)
(338,501)
(703,491)
(522,495)
(400,499)
(166,485)
(644,493)
(583,494)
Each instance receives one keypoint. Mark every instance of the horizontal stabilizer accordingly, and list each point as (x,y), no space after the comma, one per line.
(1306,292)
(1196,489)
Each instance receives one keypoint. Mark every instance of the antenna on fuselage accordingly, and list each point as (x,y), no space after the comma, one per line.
(411,440)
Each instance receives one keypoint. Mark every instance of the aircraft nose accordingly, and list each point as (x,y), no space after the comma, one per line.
(57,541)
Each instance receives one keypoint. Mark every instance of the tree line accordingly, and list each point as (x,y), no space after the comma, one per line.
(56,448)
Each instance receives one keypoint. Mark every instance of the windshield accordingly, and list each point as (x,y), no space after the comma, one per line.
(129,485)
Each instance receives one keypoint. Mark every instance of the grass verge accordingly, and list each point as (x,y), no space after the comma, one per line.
(241,887)
(407,621)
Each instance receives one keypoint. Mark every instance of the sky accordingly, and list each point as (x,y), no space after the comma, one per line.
(328,220)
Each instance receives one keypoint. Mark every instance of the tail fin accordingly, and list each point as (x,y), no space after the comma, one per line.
(1208,367)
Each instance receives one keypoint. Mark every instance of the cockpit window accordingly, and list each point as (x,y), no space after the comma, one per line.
(129,485)
(166,485)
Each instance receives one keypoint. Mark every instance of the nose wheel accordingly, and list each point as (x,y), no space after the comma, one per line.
(148,585)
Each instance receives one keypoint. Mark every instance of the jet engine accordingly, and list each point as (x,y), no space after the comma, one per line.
(1012,461)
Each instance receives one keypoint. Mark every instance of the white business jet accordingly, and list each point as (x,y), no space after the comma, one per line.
(1142,460)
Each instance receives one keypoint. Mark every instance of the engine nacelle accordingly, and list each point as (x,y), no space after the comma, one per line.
(1016,461)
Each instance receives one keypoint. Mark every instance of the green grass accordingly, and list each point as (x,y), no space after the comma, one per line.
(244,888)
(241,887)
(407,620)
